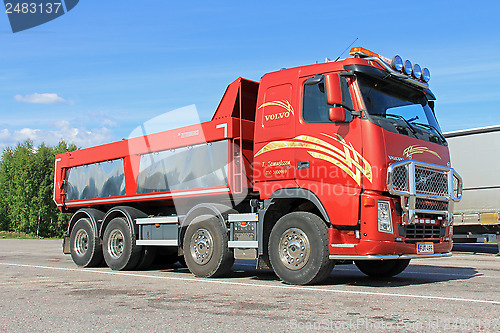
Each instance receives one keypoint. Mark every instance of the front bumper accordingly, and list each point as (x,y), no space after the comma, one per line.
(389,257)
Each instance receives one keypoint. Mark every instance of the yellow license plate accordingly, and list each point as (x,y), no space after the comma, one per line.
(425,248)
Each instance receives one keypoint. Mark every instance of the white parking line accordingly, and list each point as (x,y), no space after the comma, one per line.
(242,284)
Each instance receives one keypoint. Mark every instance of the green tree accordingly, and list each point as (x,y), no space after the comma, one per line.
(26,185)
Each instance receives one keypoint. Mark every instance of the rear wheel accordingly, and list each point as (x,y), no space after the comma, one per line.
(382,268)
(120,250)
(85,248)
(206,249)
(298,249)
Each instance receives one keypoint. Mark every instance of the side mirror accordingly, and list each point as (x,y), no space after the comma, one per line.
(333,89)
(337,114)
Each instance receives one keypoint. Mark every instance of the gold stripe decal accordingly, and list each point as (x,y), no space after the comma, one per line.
(283,104)
(345,157)
(409,151)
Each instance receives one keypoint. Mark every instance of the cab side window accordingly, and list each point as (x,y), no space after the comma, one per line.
(315,107)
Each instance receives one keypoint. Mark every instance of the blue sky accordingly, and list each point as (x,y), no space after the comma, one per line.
(112,65)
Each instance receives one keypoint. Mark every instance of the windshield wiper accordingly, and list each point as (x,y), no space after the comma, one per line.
(443,139)
(397,116)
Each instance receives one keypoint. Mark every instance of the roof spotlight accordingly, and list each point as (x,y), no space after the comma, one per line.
(397,63)
(426,75)
(417,71)
(407,67)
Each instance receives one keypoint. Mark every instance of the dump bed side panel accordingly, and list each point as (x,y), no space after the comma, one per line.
(155,167)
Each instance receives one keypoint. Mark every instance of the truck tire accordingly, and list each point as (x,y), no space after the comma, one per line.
(206,249)
(382,268)
(85,248)
(298,249)
(119,248)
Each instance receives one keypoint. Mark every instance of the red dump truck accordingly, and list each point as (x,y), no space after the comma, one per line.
(324,164)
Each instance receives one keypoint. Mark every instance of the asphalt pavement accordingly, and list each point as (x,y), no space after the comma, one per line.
(42,290)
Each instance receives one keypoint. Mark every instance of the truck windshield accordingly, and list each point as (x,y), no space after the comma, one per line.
(399,109)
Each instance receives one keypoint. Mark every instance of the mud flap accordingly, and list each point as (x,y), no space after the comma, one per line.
(66,244)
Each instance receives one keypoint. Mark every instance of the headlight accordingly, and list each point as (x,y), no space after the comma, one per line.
(384,217)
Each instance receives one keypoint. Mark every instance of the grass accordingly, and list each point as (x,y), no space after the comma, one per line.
(21,235)
(13,234)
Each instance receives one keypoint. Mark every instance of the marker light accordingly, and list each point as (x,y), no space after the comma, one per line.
(397,63)
(407,67)
(363,52)
(426,75)
(417,71)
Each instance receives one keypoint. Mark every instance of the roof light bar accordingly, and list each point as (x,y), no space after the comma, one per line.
(397,63)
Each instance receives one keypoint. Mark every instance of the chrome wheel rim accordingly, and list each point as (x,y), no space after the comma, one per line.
(81,242)
(115,243)
(294,249)
(202,247)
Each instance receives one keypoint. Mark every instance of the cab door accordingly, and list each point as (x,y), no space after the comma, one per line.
(328,154)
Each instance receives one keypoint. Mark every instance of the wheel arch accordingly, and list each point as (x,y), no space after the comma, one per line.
(129,213)
(220,211)
(288,196)
(95,217)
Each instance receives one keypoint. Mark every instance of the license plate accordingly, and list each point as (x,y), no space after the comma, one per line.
(425,248)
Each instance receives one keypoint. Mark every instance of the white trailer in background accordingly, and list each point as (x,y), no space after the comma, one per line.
(475,154)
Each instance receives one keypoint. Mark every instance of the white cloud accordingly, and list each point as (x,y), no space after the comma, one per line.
(80,136)
(37,98)
(4,133)
(109,122)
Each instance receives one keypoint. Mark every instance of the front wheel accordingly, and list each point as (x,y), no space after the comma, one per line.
(298,249)
(382,268)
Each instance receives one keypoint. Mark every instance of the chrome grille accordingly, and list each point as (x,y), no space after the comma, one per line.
(417,231)
(433,182)
(400,179)
(426,204)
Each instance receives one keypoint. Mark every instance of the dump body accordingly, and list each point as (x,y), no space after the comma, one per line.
(475,154)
